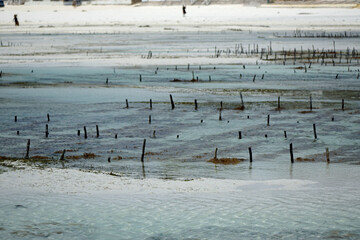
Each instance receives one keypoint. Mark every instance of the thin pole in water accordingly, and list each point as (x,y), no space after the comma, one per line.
(291,153)
(250,154)
(85,133)
(172,102)
(27,149)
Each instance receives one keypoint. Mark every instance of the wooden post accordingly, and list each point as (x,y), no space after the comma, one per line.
(279,103)
(78,132)
(188,67)
(209,78)
(109,159)
(27,149)
(48,117)
(221,105)
(143,151)
(127,103)
(115,135)
(18,132)
(285,134)
(107,81)
(172,102)
(215,155)
(15,119)
(149,119)
(220,118)
(291,154)
(150,104)
(268,120)
(310,103)
(314,127)
(250,154)
(85,133)
(47,131)
(196,106)
(242,101)
(254,78)
(239,134)
(327,155)
(342,104)
(142,158)
(97,131)
(140,78)
(63,155)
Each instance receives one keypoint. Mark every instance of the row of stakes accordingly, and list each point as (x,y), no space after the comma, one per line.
(196,108)
(172,107)
(337,76)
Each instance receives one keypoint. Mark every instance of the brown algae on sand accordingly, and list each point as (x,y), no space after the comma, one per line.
(226,161)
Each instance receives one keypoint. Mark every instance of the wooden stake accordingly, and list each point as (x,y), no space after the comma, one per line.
(250,154)
(285,134)
(78,132)
(239,134)
(48,117)
(279,103)
(18,132)
(143,151)
(242,101)
(314,127)
(291,154)
(310,103)
(149,119)
(15,119)
(115,135)
(342,104)
(127,103)
(327,155)
(85,133)
(150,104)
(27,149)
(140,78)
(47,131)
(220,118)
(172,102)
(97,131)
(196,106)
(215,155)
(62,155)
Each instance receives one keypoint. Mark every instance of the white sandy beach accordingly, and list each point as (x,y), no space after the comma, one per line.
(59,18)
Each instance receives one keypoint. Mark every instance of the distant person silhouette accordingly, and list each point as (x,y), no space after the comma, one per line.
(16,20)
(184,10)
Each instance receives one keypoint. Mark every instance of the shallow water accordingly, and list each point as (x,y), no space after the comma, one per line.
(277,199)
(318,201)
(87,101)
